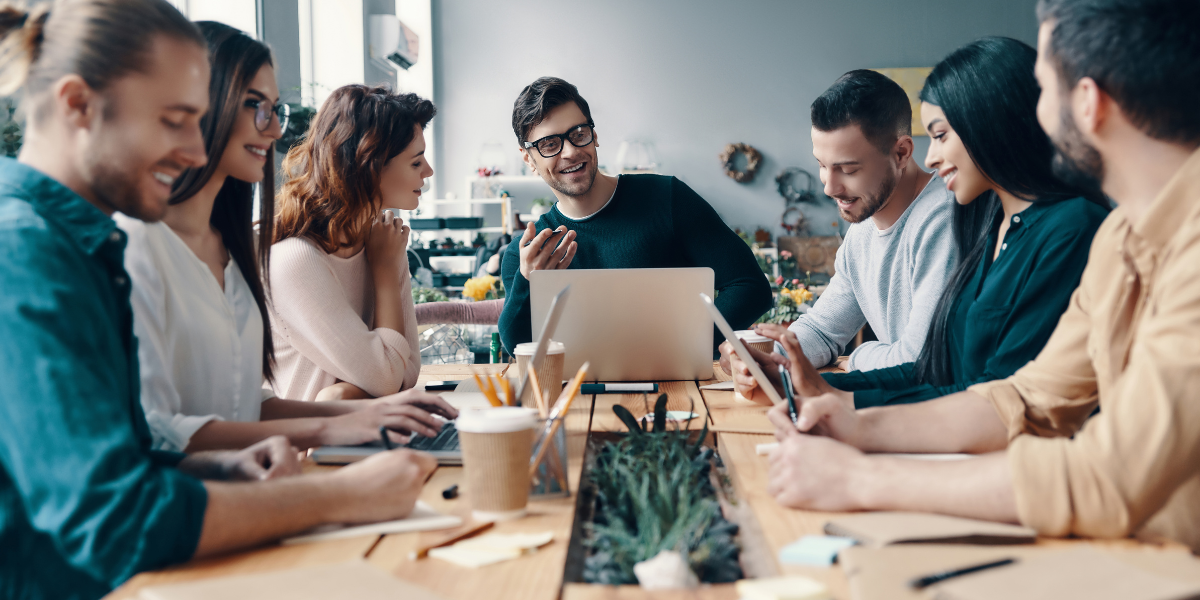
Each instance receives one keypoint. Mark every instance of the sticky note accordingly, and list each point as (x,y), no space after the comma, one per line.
(792,587)
(815,550)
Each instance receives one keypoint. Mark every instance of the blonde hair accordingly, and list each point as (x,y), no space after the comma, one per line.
(98,40)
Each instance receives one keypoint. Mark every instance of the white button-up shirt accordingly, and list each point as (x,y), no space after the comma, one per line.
(199,347)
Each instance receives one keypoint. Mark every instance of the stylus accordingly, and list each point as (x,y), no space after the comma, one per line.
(786,378)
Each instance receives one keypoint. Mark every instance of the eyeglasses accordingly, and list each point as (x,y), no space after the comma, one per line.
(263,112)
(551,145)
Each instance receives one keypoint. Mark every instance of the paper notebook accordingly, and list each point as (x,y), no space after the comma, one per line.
(422,518)
(356,580)
(884,528)
(876,573)
(1075,573)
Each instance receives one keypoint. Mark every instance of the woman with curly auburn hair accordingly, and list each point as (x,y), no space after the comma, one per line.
(341,307)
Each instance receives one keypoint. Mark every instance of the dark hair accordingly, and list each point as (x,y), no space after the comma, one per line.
(1145,54)
(330,196)
(98,40)
(868,99)
(541,97)
(236,59)
(989,96)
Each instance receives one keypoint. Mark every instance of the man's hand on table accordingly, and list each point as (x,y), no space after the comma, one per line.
(743,381)
(271,458)
(405,413)
(385,485)
(815,473)
(550,249)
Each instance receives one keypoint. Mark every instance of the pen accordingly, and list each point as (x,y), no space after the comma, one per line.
(383,435)
(617,388)
(928,580)
(789,393)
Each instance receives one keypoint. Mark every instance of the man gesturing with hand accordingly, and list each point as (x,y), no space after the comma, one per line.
(605,222)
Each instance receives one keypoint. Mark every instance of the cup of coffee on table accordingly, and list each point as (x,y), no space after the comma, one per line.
(550,373)
(497,445)
(757,342)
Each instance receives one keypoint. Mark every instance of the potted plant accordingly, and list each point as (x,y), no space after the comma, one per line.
(653,493)
(448,243)
(791,300)
(479,241)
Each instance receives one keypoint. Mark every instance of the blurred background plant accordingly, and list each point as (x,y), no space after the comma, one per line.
(422,295)
(12,133)
(487,287)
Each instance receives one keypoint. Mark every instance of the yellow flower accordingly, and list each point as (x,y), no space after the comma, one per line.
(478,288)
(799,296)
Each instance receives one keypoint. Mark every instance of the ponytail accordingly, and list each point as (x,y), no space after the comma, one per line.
(98,40)
(21,35)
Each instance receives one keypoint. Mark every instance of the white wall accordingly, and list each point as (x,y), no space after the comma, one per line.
(331,46)
(689,75)
(242,14)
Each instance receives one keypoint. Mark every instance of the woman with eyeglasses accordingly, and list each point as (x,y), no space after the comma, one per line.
(341,295)
(199,295)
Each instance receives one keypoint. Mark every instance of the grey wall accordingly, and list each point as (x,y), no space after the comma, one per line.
(280,22)
(689,75)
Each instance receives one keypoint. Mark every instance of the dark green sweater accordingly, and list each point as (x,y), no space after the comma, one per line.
(1006,312)
(652,222)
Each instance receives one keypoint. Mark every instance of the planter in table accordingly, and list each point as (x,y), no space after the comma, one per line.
(645,492)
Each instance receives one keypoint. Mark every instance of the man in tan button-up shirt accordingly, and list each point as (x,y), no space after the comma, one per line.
(1129,343)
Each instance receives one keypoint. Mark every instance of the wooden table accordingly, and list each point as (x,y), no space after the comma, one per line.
(765,526)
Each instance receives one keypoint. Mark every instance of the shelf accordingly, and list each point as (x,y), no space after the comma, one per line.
(467,201)
(479,229)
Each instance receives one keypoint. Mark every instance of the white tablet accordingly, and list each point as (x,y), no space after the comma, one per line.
(741,350)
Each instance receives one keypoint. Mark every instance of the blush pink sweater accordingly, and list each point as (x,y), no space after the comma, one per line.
(322,323)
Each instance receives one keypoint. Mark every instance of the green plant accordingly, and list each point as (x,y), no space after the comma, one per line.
(11,134)
(422,295)
(297,127)
(653,493)
(546,202)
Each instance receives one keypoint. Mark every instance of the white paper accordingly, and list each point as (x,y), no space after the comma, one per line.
(723,386)
(422,518)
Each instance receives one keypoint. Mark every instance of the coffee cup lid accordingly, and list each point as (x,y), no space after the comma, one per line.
(528,348)
(752,337)
(501,419)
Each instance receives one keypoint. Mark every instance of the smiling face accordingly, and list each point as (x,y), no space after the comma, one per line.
(249,149)
(404,174)
(948,156)
(573,171)
(1076,162)
(855,172)
(148,131)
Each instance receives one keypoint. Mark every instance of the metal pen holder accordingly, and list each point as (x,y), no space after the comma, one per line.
(550,475)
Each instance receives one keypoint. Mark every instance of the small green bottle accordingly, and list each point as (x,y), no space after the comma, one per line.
(495,347)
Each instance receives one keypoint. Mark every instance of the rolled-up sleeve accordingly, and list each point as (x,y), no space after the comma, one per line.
(1123,465)
(88,486)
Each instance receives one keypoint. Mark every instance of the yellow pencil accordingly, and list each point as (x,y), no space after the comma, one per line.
(491,396)
(537,390)
(508,398)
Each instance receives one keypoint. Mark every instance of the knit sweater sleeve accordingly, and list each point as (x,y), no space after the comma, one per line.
(515,325)
(312,311)
(743,294)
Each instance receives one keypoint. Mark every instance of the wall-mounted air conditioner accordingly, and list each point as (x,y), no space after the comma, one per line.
(392,42)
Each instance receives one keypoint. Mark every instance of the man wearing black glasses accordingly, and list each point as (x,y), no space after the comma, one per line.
(606,222)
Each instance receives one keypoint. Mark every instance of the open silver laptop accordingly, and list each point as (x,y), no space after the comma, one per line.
(630,324)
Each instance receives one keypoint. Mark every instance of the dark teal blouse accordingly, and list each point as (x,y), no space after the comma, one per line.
(1006,312)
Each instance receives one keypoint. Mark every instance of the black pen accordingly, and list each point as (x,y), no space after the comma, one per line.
(789,393)
(928,580)
(383,435)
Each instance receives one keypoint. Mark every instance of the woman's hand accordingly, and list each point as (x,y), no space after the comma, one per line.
(743,381)
(387,241)
(341,390)
(404,414)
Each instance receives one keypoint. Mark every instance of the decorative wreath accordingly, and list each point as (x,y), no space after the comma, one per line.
(753,159)
(794,221)
(785,183)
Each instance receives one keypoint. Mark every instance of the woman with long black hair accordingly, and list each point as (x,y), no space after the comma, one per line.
(199,291)
(1023,234)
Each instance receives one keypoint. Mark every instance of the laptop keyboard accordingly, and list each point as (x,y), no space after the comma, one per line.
(445,441)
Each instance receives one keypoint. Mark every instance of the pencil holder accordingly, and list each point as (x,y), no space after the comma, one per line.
(550,475)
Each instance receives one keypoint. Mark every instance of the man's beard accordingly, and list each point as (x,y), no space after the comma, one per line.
(871,203)
(1075,162)
(577,189)
(119,190)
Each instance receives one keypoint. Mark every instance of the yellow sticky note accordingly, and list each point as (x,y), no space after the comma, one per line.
(792,587)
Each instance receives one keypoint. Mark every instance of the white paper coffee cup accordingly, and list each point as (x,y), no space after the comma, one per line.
(497,445)
(550,373)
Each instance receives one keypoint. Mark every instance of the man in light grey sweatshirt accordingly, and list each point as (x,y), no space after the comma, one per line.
(899,251)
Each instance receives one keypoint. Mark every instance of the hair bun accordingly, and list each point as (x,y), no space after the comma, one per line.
(21,34)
